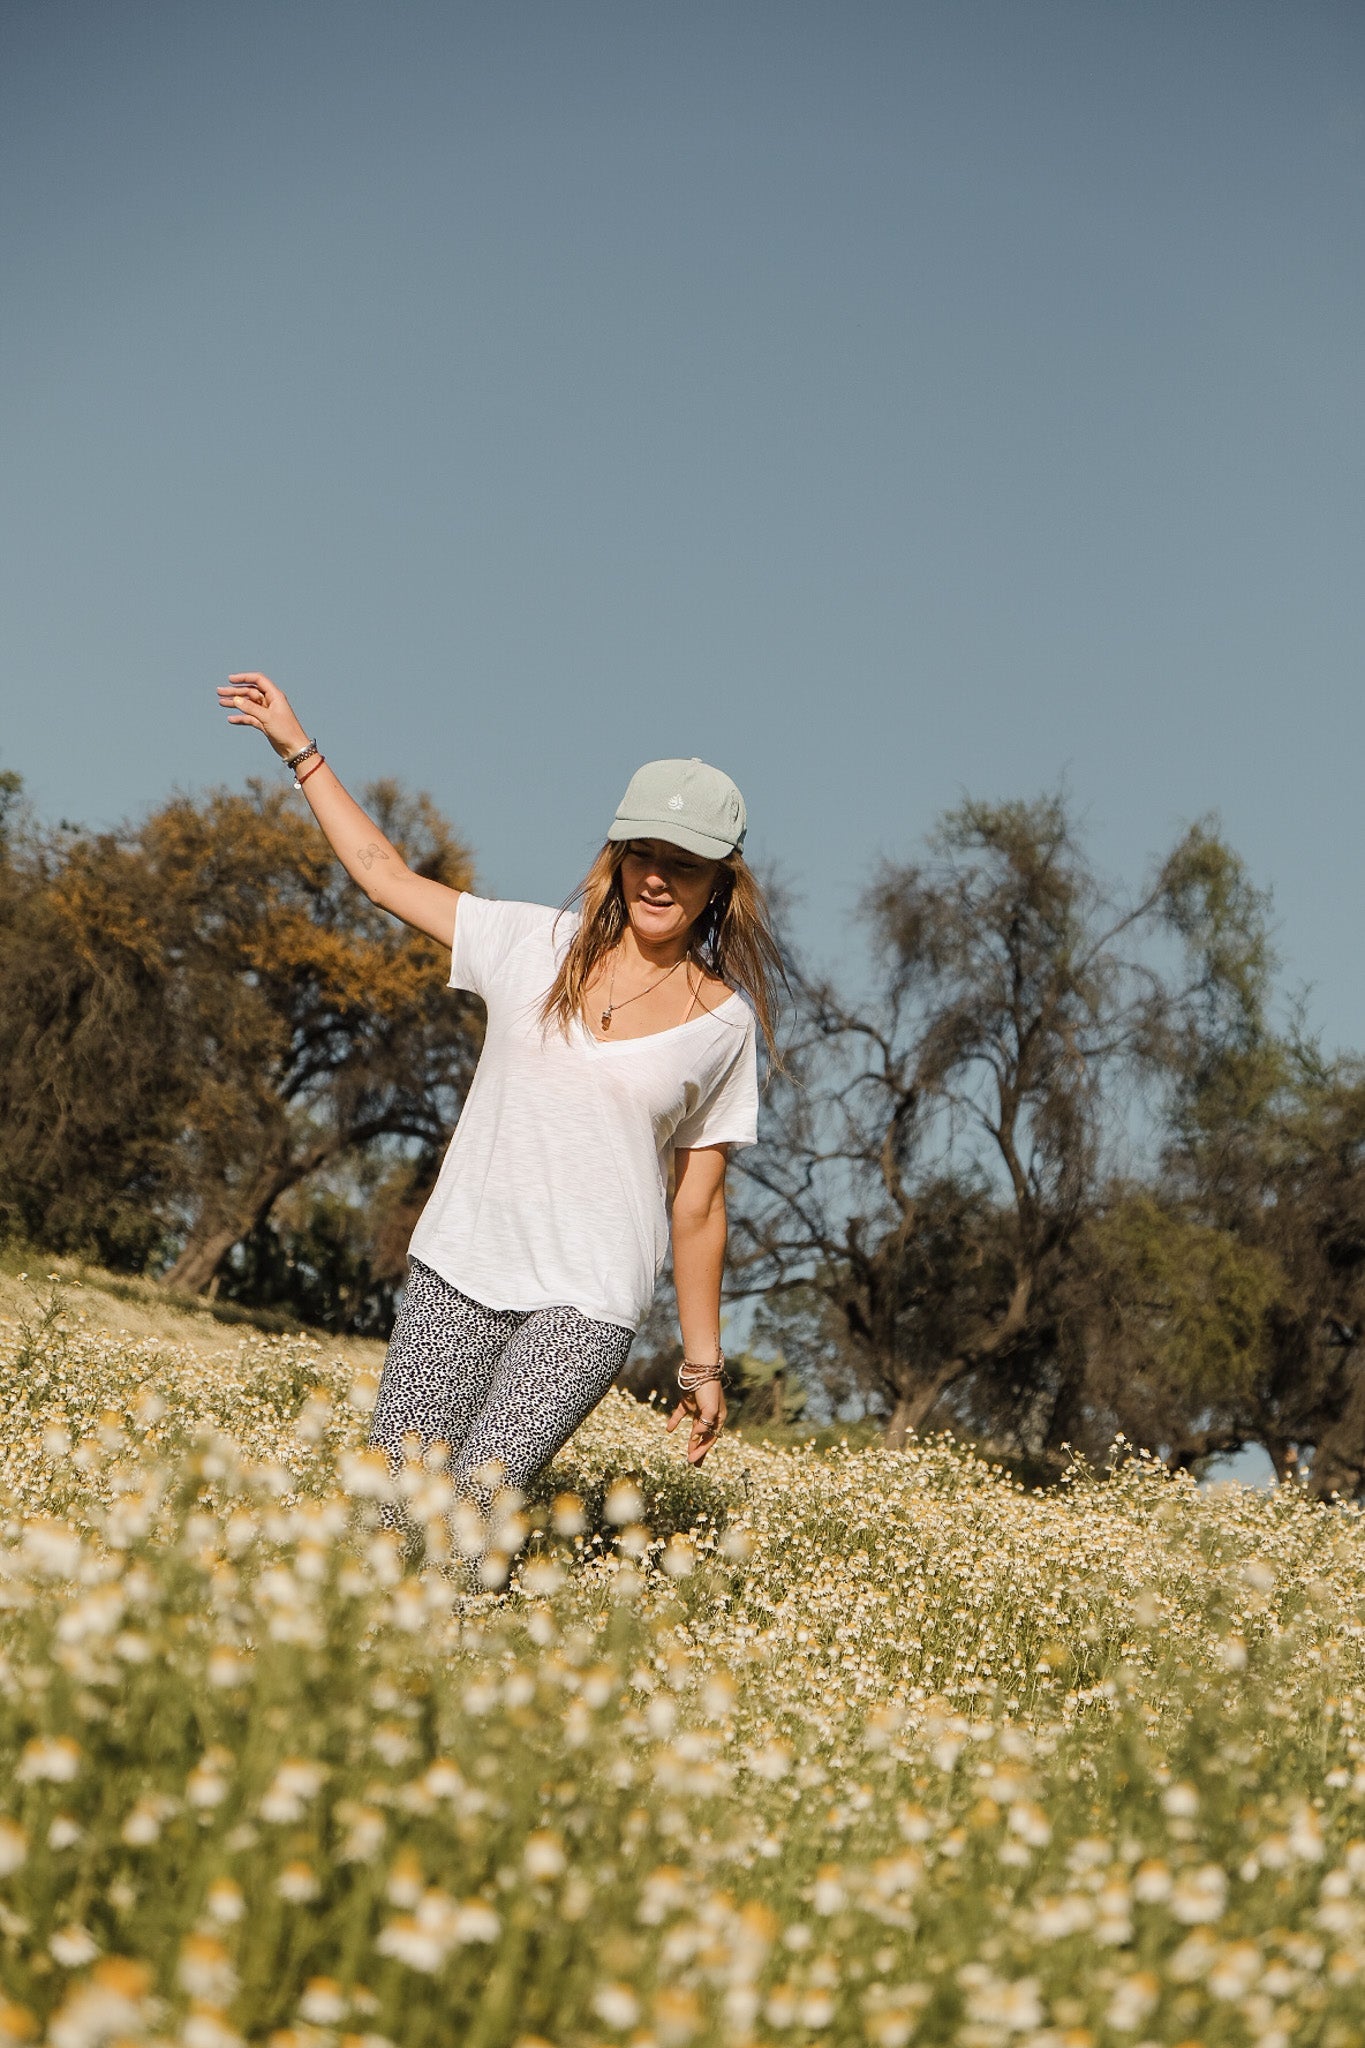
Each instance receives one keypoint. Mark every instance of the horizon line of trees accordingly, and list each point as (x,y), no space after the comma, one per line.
(1050,1174)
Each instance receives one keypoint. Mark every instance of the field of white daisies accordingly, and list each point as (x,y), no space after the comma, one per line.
(868,1747)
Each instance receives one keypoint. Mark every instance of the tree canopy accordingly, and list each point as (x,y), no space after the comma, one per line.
(202,1014)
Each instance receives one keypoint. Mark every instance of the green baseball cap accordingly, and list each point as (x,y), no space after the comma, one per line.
(686,803)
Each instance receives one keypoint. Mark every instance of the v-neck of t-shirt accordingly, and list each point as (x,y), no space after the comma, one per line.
(648,1037)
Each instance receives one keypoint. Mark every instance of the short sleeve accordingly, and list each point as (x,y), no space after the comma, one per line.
(728,1113)
(487,933)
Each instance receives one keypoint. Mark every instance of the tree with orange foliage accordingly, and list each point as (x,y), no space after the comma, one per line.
(294,1025)
(89,1100)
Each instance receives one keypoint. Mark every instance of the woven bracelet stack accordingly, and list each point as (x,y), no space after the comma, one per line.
(692,1375)
(295,760)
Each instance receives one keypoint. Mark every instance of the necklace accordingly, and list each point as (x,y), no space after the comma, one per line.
(613,1005)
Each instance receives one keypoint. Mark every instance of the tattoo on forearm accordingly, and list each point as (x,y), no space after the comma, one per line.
(368,855)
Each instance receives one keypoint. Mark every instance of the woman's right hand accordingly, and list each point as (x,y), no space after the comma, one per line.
(252,699)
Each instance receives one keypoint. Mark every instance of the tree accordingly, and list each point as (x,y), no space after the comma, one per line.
(316,1026)
(11,790)
(89,1093)
(940,1146)
(333,1251)
(214,1015)
(1274,1156)
(800,1331)
(1176,1318)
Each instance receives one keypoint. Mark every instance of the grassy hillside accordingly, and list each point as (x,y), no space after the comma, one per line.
(864,1747)
(140,1308)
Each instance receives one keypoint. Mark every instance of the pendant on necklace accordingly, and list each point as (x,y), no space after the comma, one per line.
(606,1020)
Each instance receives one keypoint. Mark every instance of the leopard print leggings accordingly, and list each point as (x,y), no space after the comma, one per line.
(510,1384)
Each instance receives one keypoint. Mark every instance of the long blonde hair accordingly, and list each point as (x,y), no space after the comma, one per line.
(733,939)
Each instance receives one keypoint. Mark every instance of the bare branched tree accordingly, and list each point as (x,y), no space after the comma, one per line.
(942,1140)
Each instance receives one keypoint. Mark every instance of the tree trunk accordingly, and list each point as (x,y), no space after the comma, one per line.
(201,1262)
(1283,1456)
(912,1405)
(901,1423)
(1338,1465)
(195,1271)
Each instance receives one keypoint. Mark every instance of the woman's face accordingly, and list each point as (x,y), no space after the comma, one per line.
(666,889)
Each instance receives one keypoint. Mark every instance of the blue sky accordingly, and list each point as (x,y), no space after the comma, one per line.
(885,402)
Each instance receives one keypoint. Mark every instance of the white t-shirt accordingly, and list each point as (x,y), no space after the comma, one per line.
(554,1190)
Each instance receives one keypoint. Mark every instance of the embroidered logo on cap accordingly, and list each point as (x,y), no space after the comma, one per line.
(675,803)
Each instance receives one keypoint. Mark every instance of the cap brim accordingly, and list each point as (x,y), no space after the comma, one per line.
(674,835)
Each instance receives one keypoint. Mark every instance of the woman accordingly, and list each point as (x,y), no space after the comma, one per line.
(618,1055)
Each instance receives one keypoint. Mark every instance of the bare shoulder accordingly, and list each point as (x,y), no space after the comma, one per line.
(711,992)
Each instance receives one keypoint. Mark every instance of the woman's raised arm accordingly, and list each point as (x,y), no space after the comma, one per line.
(367,856)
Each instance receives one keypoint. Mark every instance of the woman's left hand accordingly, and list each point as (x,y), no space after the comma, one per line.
(706,1407)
